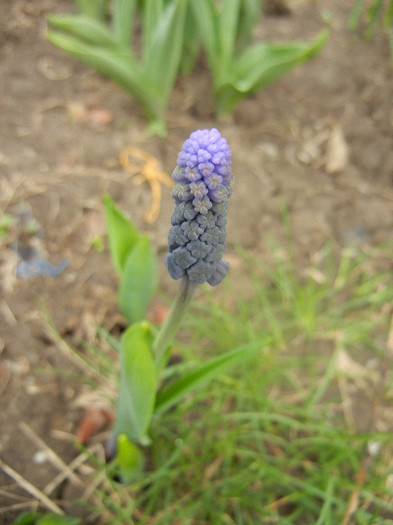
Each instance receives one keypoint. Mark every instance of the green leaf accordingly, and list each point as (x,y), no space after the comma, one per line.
(6,222)
(26,518)
(94,9)
(227,31)
(206,18)
(129,459)
(123,21)
(203,373)
(138,281)
(137,384)
(261,65)
(118,65)
(55,519)
(86,30)
(191,43)
(122,234)
(356,12)
(373,14)
(264,63)
(249,17)
(35,518)
(162,60)
(152,12)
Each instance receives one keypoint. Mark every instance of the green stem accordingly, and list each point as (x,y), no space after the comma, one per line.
(171,324)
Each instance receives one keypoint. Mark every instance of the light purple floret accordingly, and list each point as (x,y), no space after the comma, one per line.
(197,238)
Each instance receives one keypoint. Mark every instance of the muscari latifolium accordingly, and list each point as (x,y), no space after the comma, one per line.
(196,245)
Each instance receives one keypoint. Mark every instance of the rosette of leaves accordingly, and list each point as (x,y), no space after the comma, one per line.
(239,68)
(147,66)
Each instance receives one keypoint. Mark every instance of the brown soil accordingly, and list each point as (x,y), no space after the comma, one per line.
(319,140)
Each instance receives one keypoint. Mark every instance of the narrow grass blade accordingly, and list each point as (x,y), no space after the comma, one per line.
(373,14)
(203,373)
(356,12)
(388,17)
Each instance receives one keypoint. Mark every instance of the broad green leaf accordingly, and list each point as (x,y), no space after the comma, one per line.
(163,58)
(138,281)
(129,459)
(203,373)
(87,30)
(122,234)
(264,63)
(123,21)
(137,384)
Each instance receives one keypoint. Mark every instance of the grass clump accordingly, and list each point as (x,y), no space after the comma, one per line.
(301,434)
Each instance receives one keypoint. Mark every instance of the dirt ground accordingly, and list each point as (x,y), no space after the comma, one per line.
(320,141)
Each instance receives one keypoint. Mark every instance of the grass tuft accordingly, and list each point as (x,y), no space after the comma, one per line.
(302,433)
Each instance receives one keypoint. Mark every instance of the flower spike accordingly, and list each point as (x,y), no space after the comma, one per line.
(197,238)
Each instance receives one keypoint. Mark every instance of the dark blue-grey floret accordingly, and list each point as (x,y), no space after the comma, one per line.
(196,241)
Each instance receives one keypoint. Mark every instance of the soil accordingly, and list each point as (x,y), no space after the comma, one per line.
(319,142)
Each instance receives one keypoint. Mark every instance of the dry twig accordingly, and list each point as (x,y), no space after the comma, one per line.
(145,167)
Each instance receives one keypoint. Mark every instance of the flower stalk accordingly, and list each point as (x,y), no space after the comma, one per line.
(171,324)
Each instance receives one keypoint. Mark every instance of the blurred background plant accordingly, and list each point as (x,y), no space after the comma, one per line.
(371,15)
(239,67)
(143,46)
(147,70)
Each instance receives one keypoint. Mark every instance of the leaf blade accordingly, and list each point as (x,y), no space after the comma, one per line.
(86,29)
(162,60)
(122,234)
(123,21)
(174,392)
(264,63)
(138,384)
(138,281)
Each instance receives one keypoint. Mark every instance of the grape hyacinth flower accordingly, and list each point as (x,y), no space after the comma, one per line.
(196,241)
(203,178)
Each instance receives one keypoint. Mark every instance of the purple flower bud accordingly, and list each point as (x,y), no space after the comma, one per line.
(196,241)
(198,189)
(202,205)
